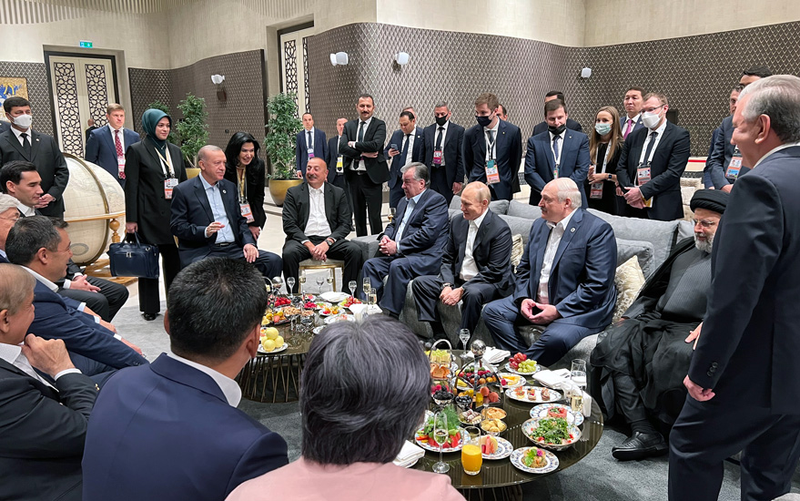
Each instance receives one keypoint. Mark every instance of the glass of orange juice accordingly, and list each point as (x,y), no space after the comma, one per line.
(471,458)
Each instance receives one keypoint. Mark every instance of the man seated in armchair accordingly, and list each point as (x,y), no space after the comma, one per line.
(644,357)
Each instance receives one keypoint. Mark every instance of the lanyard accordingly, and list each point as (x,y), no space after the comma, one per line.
(557,159)
(166,164)
(242,185)
(605,159)
(491,152)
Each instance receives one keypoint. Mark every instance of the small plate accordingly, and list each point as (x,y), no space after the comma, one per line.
(516,460)
(515,371)
(573,418)
(342,317)
(334,297)
(554,396)
(427,447)
(521,380)
(276,350)
(504,449)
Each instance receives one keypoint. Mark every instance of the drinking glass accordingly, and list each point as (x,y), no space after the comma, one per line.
(440,435)
(277,283)
(578,373)
(463,335)
(471,456)
(367,285)
(329,279)
(320,280)
(302,280)
(352,284)
(290,285)
(373,297)
(268,285)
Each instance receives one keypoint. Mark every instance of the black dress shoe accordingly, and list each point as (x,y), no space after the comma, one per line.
(639,446)
(150,316)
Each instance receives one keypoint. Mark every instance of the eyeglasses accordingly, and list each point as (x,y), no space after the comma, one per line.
(652,109)
(704,223)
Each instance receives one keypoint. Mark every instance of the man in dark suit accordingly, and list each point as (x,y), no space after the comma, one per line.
(42,246)
(443,153)
(405,146)
(565,281)
(633,101)
(207,220)
(492,149)
(309,143)
(413,243)
(106,146)
(171,430)
(365,165)
(4,126)
(652,162)
(42,421)
(744,380)
(335,161)
(316,220)
(21,142)
(570,123)
(476,267)
(557,152)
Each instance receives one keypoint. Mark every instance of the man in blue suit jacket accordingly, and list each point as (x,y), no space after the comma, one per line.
(444,154)
(207,219)
(309,143)
(565,281)
(413,243)
(171,430)
(405,146)
(502,141)
(557,152)
(101,145)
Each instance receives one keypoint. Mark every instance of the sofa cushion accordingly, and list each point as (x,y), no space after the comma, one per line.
(629,281)
(520,209)
(643,251)
(455,203)
(660,234)
(517,248)
(685,230)
(497,206)
(519,226)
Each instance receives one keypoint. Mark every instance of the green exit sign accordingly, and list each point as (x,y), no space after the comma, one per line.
(86,44)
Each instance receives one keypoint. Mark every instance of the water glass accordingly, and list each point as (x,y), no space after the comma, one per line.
(352,284)
(578,373)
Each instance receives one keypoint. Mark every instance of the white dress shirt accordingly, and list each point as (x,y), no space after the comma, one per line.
(557,158)
(412,204)
(317,220)
(311,146)
(224,235)
(121,138)
(361,167)
(556,232)
(19,133)
(660,131)
(469,268)
(775,150)
(229,387)
(13,355)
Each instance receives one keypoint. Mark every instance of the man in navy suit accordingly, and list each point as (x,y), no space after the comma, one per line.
(413,242)
(106,146)
(542,126)
(405,146)
(492,149)
(633,101)
(42,246)
(556,152)
(309,143)
(207,220)
(744,379)
(171,430)
(335,161)
(652,162)
(443,153)
(565,281)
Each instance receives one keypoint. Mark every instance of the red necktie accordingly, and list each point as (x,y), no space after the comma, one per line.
(120,154)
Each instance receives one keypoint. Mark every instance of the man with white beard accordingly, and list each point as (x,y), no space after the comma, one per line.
(642,359)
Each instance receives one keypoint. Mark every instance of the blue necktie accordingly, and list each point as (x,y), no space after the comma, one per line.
(310,141)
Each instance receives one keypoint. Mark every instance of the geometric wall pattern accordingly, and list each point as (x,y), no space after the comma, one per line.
(305,75)
(97,93)
(38,91)
(147,86)
(290,67)
(67,106)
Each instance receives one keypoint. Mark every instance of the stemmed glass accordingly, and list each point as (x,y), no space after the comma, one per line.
(320,280)
(290,285)
(373,297)
(367,286)
(277,283)
(352,284)
(302,280)
(440,434)
(578,377)
(392,213)
(463,335)
(329,279)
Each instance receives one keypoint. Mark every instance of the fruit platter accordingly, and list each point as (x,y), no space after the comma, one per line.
(282,301)
(327,310)
(495,447)
(519,364)
(533,394)
(557,411)
(350,301)
(271,341)
(441,363)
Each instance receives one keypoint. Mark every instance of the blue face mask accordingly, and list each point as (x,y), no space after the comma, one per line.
(602,129)
(483,121)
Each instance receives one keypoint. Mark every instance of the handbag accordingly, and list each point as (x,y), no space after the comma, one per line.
(133,259)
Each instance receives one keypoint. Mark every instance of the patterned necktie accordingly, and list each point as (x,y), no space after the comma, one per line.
(118,144)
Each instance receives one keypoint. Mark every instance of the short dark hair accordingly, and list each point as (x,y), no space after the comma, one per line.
(212,306)
(753,71)
(505,111)
(638,89)
(308,113)
(407,114)
(557,93)
(363,383)
(366,96)
(12,171)
(420,171)
(489,99)
(234,147)
(15,102)
(30,234)
(553,105)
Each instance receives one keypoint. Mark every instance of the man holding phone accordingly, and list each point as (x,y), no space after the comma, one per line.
(564,283)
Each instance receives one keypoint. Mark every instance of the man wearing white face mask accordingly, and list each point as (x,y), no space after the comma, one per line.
(21,142)
(651,164)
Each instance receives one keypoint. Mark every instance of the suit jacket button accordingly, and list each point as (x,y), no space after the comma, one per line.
(714,365)
(709,374)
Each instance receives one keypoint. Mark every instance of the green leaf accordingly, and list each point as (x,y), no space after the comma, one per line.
(192,130)
(282,128)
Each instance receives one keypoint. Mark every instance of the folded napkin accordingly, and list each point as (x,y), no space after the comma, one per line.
(554,379)
(359,309)
(494,355)
(409,454)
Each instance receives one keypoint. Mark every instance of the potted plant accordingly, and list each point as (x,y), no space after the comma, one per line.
(192,130)
(279,144)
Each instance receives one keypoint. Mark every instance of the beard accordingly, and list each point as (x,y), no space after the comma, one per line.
(704,245)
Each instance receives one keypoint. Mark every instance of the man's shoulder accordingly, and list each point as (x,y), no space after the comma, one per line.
(433,198)
(509,127)
(577,134)
(676,129)
(590,221)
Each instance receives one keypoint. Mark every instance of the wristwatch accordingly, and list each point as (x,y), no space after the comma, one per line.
(330,241)
(446,285)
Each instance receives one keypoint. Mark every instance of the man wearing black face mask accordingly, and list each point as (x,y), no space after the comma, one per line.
(492,149)
(443,154)
(542,126)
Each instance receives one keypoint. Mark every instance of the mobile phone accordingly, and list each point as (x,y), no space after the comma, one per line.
(394,147)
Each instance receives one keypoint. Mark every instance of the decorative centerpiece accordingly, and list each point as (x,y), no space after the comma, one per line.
(478,386)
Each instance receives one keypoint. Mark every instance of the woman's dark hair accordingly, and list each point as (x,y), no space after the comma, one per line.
(364,389)
(235,147)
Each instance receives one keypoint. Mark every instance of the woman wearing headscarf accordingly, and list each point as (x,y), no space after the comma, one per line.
(153,167)
(247,172)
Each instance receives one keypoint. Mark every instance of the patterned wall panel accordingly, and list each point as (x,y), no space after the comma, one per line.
(67,106)
(148,86)
(290,67)
(97,93)
(305,75)
(38,91)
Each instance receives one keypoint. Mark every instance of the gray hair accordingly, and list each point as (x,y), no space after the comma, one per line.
(568,189)
(778,97)
(15,286)
(364,389)
(442,104)
(205,150)
(7,202)
(420,171)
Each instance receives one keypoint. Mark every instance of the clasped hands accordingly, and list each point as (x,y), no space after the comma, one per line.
(319,251)
(547,314)
(634,197)
(450,296)
(387,246)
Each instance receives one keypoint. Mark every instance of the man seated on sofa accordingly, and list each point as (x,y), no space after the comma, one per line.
(42,246)
(476,267)
(644,358)
(564,283)
(413,242)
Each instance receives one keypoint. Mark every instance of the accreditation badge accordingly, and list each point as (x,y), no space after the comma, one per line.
(169,184)
(492,175)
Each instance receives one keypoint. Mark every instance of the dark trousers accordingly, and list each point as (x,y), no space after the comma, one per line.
(627,398)
(341,181)
(476,294)
(149,301)
(268,264)
(367,197)
(396,194)
(400,272)
(294,252)
(106,302)
(708,432)
(439,182)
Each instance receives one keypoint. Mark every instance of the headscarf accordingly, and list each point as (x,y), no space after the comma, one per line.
(150,118)
(713,200)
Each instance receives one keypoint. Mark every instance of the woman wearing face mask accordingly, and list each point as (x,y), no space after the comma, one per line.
(244,169)
(153,167)
(605,146)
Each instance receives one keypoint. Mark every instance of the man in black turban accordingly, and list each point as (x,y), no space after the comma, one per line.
(642,360)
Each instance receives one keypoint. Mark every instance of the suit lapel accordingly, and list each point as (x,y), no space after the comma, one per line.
(200,193)
(109,138)
(462,232)
(305,203)
(34,144)
(11,138)
(46,390)
(548,152)
(500,141)
(330,209)
(569,232)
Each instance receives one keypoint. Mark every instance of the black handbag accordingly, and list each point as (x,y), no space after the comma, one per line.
(133,259)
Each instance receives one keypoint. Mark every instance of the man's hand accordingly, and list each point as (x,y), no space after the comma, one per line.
(620,193)
(547,315)
(250,253)
(298,174)
(371,154)
(527,309)
(452,296)
(80,283)
(457,188)
(131,227)
(132,346)
(393,152)
(320,251)
(695,335)
(108,326)
(696,392)
(634,197)
(388,246)
(88,310)
(44,201)
(727,188)
(49,356)
(255,231)
(213,228)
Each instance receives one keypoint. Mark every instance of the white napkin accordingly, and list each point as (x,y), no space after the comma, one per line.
(359,309)
(494,355)
(554,379)
(409,454)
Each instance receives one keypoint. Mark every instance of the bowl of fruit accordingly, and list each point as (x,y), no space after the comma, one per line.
(282,301)
(493,427)
(519,364)
(271,341)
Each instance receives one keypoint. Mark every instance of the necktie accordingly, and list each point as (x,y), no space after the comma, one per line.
(439,138)
(26,145)
(404,151)
(118,144)
(309,141)
(555,147)
(653,136)
(361,131)
(490,139)
(627,129)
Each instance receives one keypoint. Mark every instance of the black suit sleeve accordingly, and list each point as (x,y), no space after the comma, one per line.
(179,218)
(255,192)
(132,168)
(460,172)
(344,148)
(61,171)
(447,270)
(499,258)
(341,227)
(623,177)
(92,148)
(292,226)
